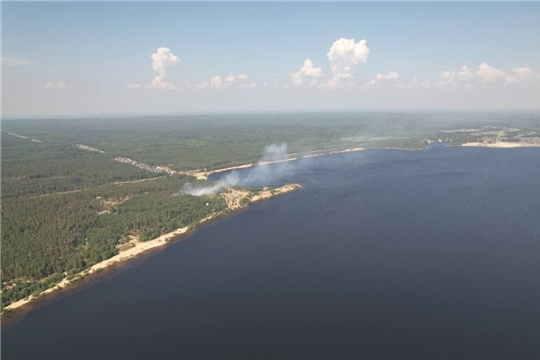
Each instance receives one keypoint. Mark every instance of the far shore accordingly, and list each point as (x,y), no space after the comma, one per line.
(501,144)
(139,247)
(203,175)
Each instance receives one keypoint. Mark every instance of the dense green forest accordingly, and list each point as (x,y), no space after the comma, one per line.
(30,169)
(66,207)
(64,234)
(215,141)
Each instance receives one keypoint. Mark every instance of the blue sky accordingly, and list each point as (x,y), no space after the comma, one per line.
(95,58)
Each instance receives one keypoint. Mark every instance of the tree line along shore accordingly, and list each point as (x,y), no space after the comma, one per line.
(234,199)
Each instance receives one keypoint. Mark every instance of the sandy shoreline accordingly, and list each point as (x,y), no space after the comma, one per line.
(140,247)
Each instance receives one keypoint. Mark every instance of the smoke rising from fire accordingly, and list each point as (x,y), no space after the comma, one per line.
(261,174)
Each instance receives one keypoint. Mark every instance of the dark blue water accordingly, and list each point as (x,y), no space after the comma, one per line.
(381,254)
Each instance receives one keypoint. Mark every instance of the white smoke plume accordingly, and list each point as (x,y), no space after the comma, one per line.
(190,189)
(262,174)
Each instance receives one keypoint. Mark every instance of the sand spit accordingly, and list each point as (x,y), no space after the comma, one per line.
(502,144)
(240,198)
(267,194)
(203,175)
(233,197)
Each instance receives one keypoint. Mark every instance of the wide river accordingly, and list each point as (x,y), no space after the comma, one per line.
(381,254)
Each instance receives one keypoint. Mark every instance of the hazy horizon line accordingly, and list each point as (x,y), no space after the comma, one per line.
(268,112)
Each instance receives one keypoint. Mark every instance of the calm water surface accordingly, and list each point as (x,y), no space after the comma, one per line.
(381,254)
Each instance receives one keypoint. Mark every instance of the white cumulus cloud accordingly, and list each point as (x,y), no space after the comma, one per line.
(487,73)
(15,62)
(454,77)
(381,77)
(307,71)
(247,86)
(56,85)
(522,72)
(465,78)
(344,55)
(162,60)
(218,82)
(414,83)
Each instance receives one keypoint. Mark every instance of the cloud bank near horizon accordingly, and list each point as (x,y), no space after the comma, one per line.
(342,83)
(344,56)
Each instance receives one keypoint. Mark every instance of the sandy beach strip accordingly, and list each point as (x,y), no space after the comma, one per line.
(140,247)
(502,144)
(203,175)
(267,194)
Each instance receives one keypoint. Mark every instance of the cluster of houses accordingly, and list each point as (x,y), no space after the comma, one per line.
(88,148)
(530,140)
(24,137)
(155,169)
(14,285)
